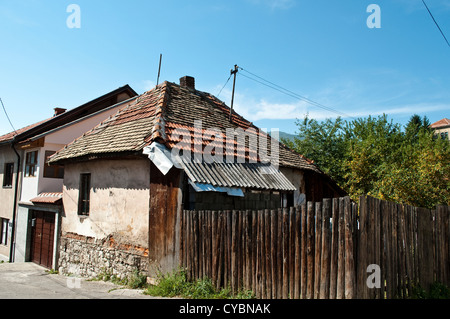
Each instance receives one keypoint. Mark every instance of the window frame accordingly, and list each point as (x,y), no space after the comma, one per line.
(31,167)
(4,225)
(84,195)
(8,175)
(52,171)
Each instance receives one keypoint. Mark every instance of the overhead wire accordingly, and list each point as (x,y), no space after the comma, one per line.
(285,91)
(224,85)
(435,22)
(6,113)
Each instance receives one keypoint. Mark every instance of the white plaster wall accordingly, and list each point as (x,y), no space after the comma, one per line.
(295,176)
(69,133)
(30,184)
(119,200)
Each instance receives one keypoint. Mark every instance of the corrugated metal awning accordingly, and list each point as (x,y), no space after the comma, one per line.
(245,175)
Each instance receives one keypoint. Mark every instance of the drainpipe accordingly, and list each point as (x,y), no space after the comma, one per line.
(16,188)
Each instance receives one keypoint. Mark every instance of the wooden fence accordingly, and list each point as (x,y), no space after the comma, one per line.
(319,250)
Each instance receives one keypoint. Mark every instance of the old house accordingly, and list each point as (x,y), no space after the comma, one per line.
(442,128)
(31,193)
(175,147)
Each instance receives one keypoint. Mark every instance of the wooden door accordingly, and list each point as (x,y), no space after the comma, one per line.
(42,238)
(163,230)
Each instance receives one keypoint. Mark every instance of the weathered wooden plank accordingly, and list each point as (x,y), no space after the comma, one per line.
(258,290)
(310,250)
(285,250)
(255,263)
(234,251)
(425,247)
(220,245)
(408,248)
(274,247)
(297,259)
(318,246)
(340,281)
(334,247)
(377,242)
(292,253)
(326,252)
(350,276)
(267,254)
(304,252)
(395,265)
(246,250)
(280,255)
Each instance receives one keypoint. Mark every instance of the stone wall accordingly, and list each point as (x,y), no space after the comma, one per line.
(89,257)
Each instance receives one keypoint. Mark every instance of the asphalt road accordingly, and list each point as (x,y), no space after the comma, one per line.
(30,281)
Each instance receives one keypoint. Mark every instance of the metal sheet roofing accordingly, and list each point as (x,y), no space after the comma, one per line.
(246,175)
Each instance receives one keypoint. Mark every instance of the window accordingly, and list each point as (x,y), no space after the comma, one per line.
(84,195)
(444,135)
(52,171)
(8,175)
(31,164)
(4,229)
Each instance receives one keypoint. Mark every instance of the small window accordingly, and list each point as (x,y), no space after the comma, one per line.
(52,171)
(4,231)
(8,175)
(31,164)
(84,195)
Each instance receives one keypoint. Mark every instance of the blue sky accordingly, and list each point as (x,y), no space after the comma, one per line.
(320,49)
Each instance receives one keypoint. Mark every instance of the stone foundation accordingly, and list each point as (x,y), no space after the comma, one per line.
(89,257)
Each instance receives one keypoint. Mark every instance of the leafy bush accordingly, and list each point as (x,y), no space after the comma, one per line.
(175,284)
(437,291)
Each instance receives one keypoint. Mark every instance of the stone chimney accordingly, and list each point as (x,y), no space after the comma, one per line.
(187,82)
(58,111)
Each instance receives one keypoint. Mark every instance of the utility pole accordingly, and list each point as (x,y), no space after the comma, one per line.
(159,69)
(233,72)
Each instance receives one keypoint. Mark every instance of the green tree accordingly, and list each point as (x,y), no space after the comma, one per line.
(375,156)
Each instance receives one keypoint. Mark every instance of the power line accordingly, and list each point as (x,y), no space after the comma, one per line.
(290,93)
(435,22)
(225,85)
(8,116)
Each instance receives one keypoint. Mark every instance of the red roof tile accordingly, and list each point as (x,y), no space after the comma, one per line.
(441,123)
(48,198)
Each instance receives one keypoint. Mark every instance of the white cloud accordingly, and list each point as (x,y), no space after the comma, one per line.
(255,110)
(275,4)
(148,85)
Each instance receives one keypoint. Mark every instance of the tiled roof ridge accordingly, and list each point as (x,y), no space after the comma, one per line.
(159,126)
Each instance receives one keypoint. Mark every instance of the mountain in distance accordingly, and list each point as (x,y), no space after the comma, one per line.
(287,136)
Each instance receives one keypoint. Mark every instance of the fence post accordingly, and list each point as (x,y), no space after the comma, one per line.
(362,245)
(310,251)
(350,277)
(325,267)
(334,247)
(425,245)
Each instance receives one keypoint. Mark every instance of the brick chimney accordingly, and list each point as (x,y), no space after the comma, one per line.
(58,111)
(187,82)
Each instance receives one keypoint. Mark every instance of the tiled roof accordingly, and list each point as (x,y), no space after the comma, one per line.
(158,115)
(9,136)
(48,198)
(441,123)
